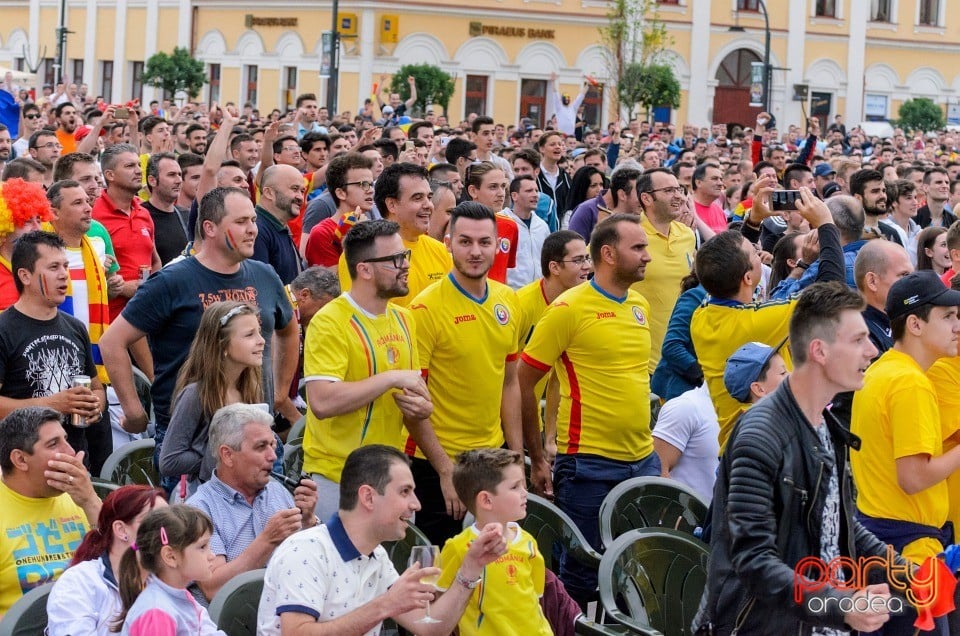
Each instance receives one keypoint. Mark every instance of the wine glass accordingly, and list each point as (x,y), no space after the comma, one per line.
(428,556)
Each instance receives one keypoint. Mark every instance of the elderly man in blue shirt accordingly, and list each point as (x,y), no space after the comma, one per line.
(251,512)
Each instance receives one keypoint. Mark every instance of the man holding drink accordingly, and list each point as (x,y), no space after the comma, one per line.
(45,354)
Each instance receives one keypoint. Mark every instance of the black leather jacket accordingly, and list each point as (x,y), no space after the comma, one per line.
(767,515)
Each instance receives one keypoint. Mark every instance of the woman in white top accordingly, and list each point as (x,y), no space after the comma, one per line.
(86,599)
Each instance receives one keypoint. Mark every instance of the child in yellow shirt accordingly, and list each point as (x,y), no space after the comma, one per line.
(506,601)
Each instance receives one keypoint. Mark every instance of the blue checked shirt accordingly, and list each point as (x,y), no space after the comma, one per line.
(236,523)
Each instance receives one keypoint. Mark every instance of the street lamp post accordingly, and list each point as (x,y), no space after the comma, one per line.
(767,69)
(333,80)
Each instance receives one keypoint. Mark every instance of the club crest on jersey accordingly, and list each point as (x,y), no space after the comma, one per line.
(638,314)
(505,245)
(393,355)
(501,313)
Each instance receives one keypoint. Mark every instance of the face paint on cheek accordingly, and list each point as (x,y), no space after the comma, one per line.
(43,285)
(231,243)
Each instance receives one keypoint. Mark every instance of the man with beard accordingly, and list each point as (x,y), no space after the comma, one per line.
(128,222)
(164,180)
(867,185)
(170,305)
(6,146)
(67,120)
(282,194)
(361,366)
(601,332)
(196,139)
(672,246)
(566,109)
(468,330)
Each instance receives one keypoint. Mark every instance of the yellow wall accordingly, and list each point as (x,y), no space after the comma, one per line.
(106,23)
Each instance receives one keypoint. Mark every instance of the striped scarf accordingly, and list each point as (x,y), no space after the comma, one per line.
(99,310)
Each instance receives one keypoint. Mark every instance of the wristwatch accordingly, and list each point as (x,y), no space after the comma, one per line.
(802,265)
(467,583)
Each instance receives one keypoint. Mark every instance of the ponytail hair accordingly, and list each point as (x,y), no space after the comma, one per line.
(123,504)
(177,526)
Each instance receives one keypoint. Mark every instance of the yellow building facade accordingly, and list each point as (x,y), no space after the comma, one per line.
(859,58)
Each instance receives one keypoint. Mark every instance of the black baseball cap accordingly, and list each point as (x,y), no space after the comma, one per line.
(917,289)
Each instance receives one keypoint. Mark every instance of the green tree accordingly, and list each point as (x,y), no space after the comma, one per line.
(434,85)
(921,114)
(175,72)
(633,34)
(649,85)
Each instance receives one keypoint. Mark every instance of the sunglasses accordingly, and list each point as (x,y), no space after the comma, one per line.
(32,116)
(396,261)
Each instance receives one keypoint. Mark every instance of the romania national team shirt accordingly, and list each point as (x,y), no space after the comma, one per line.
(429,262)
(533,302)
(464,345)
(506,602)
(896,415)
(344,343)
(599,345)
(945,377)
(671,261)
(720,327)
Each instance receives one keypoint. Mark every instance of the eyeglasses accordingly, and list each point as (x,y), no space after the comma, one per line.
(579,261)
(672,190)
(32,116)
(293,149)
(52,144)
(366,186)
(396,261)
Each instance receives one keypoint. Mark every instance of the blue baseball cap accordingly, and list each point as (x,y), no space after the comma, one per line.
(743,368)
(823,170)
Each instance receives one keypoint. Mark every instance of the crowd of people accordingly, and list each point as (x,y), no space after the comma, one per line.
(439,299)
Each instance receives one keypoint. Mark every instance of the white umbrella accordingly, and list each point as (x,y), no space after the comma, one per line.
(18,76)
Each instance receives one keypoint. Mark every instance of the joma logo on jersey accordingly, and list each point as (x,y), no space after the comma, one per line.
(606,314)
(464,318)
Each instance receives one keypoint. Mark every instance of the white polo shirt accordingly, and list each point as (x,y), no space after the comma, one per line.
(319,572)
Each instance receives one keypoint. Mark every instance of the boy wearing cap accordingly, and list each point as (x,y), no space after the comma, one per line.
(687,431)
(753,371)
(901,468)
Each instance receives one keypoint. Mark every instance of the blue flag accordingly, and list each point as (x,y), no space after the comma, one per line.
(10,113)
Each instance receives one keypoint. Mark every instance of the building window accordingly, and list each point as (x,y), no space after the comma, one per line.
(533,100)
(929,13)
(593,106)
(826,9)
(106,80)
(48,71)
(214,82)
(289,86)
(875,107)
(136,87)
(748,5)
(76,72)
(881,10)
(476,95)
(250,83)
